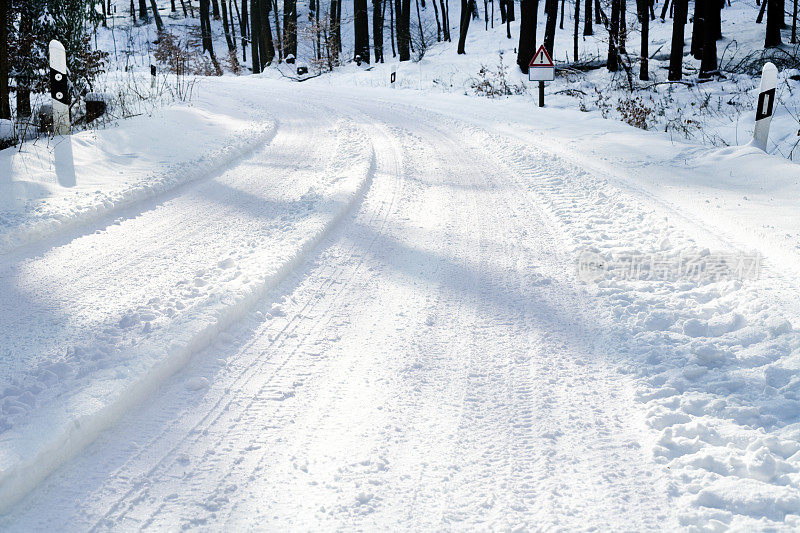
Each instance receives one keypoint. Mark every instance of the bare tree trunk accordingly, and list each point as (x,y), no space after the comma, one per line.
(448,35)
(377,29)
(678,28)
(391,26)
(463,26)
(561,20)
(334,53)
(528,13)
(587,20)
(697,28)
(794,23)
(273,5)
(143,16)
(403,9)
(205,32)
(613,37)
(226,26)
(664,10)
(265,45)
(644,19)
(156,16)
(318,29)
(774,16)
(551,9)
(438,25)
(421,35)
(576,29)
(205,26)
(255,30)
(215,9)
(782,14)
(708,63)
(509,17)
(361,30)
(5,17)
(290,30)
(231,6)
(761,12)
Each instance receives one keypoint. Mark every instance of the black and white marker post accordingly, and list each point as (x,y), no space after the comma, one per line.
(541,69)
(765,105)
(393,76)
(59,88)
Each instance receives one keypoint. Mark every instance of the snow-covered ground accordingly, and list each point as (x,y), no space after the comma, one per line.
(55,184)
(365,311)
(717,112)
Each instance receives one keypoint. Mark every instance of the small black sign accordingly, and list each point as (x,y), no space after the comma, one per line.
(765,102)
(302,70)
(152,70)
(393,76)
(58,86)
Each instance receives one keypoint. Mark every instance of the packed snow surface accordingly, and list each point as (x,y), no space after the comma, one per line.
(339,308)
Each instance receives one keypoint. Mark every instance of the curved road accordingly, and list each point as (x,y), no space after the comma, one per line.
(432,362)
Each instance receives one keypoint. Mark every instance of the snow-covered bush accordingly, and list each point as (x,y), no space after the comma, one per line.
(493,82)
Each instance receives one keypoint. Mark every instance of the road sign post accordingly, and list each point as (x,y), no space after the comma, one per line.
(59,88)
(765,105)
(541,69)
(393,76)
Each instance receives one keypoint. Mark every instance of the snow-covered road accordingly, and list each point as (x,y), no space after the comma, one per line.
(374,322)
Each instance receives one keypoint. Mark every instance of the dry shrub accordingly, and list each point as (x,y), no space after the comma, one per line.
(493,82)
(182,56)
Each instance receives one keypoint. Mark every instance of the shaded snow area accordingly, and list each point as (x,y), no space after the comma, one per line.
(323,307)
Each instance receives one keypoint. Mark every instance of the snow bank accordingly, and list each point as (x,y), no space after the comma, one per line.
(50,186)
(149,344)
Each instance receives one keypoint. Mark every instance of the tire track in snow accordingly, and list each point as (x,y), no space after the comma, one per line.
(129,470)
(524,462)
(702,438)
(13,485)
(252,403)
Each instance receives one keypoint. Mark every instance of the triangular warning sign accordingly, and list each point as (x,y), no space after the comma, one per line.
(541,58)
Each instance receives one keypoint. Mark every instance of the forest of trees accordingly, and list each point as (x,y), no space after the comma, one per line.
(269,33)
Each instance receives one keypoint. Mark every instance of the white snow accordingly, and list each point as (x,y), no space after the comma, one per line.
(372,320)
(53,185)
